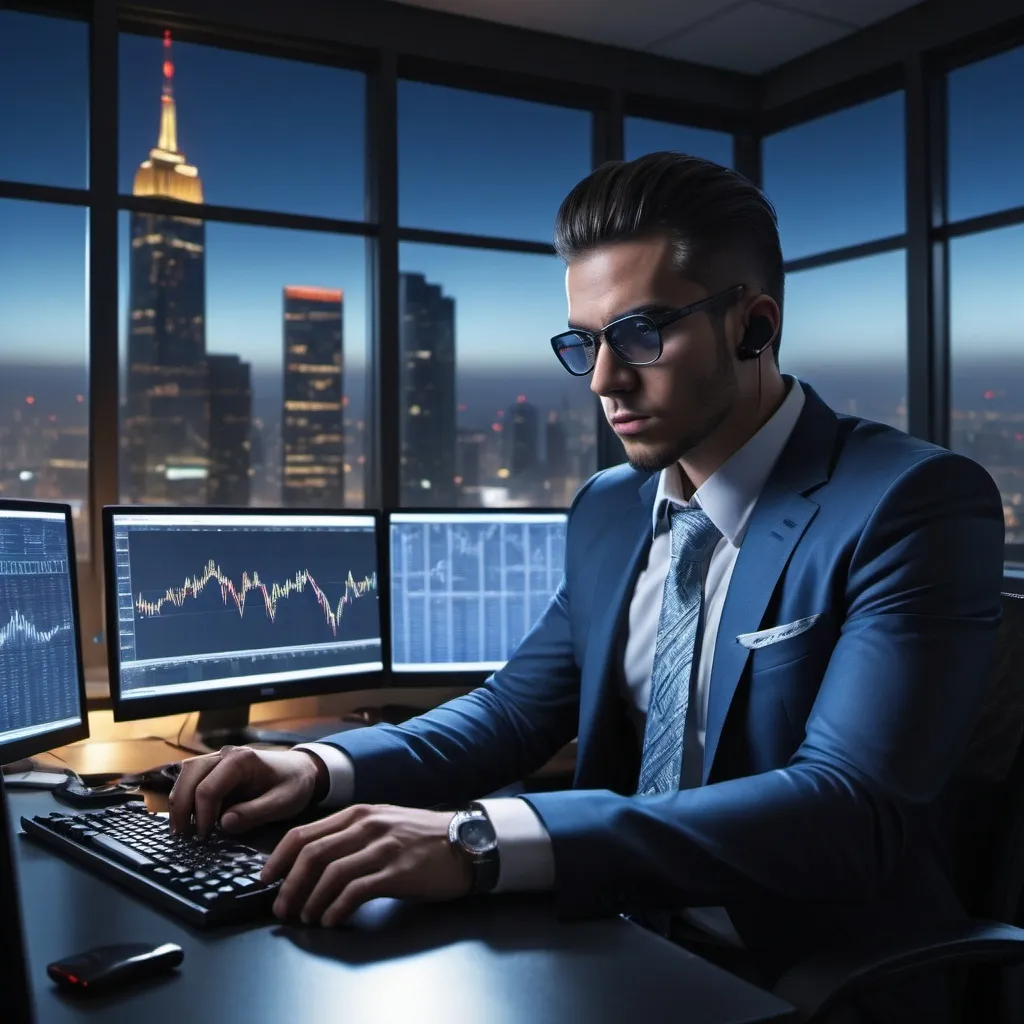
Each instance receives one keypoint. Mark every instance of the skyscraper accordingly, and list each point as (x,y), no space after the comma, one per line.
(230,428)
(427,343)
(165,434)
(312,429)
(522,440)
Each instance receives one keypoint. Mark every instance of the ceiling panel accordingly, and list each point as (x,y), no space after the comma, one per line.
(629,23)
(751,37)
(852,12)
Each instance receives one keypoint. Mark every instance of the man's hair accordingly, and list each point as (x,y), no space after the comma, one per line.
(722,226)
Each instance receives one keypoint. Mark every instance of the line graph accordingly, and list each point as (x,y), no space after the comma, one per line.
(194,586)
(199,603)
(19,629)
(38,656)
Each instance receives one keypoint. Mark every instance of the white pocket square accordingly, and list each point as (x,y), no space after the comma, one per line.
(764,637)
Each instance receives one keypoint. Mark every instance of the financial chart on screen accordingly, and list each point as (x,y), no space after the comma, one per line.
(210,600)
(39,681)
(467,587)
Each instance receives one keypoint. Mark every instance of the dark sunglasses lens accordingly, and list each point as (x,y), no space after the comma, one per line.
(635,340)
(575,351)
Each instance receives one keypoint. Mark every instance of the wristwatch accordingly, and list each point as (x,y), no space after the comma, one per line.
(471,833)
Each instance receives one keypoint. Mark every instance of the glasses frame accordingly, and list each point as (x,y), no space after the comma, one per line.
(657,321)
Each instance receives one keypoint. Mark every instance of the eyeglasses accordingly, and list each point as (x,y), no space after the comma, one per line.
(634,339)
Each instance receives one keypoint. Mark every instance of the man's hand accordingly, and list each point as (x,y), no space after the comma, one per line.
(242,788)
(332,866)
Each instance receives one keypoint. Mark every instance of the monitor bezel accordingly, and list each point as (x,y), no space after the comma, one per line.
(29,746)
(465,678)
(133,709)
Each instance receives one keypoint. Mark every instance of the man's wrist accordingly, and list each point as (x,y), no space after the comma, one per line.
(322,783)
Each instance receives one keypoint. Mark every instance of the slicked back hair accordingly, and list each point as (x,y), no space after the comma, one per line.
(722,226)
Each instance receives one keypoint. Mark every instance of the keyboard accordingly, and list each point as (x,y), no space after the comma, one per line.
(207,882)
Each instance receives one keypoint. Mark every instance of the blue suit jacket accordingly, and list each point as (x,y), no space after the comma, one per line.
(827,754)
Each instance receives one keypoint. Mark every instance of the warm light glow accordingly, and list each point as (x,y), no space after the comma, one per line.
(313,294)
(496,427)
(30,399)
(503,473)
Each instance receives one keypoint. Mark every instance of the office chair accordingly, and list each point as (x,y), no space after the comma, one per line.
(988,873)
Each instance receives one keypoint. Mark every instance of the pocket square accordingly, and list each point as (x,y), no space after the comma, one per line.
(764,637)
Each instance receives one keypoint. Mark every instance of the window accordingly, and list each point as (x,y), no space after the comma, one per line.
(839,180)
(986,136)
(44,370)
(264,133)
(488,416)
(486,165)
(44,82)
(845,333)
(643,136)
(243,364)
(987,376)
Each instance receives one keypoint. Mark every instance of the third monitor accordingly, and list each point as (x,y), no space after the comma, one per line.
(466,586)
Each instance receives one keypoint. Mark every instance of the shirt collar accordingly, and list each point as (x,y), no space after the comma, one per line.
(729,495)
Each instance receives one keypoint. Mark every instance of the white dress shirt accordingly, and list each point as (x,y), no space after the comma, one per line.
(728,497)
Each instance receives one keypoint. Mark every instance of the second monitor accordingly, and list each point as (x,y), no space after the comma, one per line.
(467,586)
(218,608)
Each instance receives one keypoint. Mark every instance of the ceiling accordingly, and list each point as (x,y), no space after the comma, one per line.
(751,36)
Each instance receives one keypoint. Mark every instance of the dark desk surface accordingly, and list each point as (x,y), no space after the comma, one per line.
(503,959)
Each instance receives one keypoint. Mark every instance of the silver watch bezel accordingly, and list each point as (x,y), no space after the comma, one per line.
(458,819)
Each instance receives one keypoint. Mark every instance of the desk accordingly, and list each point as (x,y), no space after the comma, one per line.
(501,960)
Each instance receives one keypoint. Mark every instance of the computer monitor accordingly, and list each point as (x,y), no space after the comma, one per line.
(14,983)
(42,685)
(211,609)
(466,586)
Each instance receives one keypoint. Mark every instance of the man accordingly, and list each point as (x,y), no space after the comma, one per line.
(771,638)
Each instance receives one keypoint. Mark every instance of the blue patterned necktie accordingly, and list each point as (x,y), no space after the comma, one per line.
(694,538)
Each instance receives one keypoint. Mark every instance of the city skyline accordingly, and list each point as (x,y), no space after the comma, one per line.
(281,135)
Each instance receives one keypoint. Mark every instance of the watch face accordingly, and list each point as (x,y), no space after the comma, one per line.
(476,834)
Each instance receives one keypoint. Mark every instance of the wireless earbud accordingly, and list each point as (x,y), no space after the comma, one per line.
(758,336)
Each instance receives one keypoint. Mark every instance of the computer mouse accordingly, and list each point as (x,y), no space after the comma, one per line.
(108,967)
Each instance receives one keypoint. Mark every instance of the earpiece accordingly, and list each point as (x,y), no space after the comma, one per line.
(758,336)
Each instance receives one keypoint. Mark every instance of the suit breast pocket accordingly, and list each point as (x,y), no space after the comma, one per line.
(790,649)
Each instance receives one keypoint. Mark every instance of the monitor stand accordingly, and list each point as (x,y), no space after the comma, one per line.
(218,728)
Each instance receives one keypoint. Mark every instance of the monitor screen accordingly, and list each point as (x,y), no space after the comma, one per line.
(466,587)
(224,601)
(42,687)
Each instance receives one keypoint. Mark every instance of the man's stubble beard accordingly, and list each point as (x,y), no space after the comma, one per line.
(721,385)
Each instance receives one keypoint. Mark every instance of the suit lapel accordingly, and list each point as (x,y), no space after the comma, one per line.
(776,525)
(616,579)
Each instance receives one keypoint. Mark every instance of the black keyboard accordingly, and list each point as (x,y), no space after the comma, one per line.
(207,882)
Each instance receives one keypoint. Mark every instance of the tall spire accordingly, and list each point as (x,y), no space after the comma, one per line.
(168,115)
(166,172)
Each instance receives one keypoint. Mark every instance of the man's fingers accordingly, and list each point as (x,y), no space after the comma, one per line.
(288,849)
(341,873)
(312,860)
(356,893)
(235,768)
(180,800)
(277,803)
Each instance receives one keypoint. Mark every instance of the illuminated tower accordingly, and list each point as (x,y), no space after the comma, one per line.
(427,341)
(312,429)
(165,436)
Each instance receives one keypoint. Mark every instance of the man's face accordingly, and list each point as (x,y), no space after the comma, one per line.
(664,410)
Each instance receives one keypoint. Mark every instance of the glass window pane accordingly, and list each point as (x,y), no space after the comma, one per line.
(489,417)
(644,136)
(987,374)
(44,116)
(486,165)
(243,355)
(845,333)
(839,180)
(240,129)
(986,136)
(44,358)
